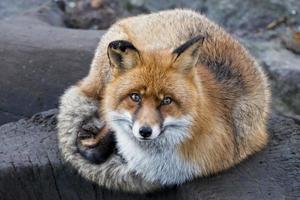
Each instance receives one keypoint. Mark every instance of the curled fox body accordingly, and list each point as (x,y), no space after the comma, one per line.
(183,98)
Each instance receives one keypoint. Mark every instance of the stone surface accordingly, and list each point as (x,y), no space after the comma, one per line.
(291,40)
(39,59)
(10,8)
(31,168)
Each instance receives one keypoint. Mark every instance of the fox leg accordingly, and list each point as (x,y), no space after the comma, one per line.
(96,148)
(92,140)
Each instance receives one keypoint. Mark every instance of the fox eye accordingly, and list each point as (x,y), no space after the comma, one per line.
(135,97)
(166,101)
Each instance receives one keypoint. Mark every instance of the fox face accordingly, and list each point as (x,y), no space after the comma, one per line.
(152,94)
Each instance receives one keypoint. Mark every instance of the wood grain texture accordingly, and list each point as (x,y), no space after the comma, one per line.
(31,168)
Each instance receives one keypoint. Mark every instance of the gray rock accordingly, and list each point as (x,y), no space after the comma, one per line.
(291,40)
(10,8)
(31,168)
(39,60)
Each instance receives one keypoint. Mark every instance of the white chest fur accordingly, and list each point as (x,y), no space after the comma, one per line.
(155,162)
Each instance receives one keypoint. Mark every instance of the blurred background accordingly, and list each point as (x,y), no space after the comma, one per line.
(47,45)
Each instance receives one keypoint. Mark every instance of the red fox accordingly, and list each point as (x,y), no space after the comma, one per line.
(181,96)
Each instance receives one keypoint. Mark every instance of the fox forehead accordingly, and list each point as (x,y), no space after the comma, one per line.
(154,68)
(155,75)
(153,83)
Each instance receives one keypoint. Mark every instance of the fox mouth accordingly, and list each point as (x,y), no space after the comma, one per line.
(145,139)
(166,129)
(172,128)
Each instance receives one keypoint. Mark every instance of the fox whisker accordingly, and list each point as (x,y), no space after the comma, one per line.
(183,122)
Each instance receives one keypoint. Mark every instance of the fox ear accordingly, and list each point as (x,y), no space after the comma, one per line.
(122,54)
(187,55)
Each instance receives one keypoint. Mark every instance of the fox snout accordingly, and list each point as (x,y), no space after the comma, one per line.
(145,131)
(147,123)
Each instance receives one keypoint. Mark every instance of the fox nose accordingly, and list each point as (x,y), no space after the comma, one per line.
(145,131)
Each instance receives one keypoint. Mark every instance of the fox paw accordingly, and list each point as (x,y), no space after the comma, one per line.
(95,142)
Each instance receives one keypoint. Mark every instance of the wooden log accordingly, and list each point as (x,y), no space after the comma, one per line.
(31,168)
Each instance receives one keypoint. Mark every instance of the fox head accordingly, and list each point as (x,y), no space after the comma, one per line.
(152,94)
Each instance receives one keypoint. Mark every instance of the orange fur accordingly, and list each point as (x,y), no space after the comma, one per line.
(221,106)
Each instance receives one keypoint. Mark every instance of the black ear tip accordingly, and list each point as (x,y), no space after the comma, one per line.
(114,44)
(121,45)
(197,38)
(188,43)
